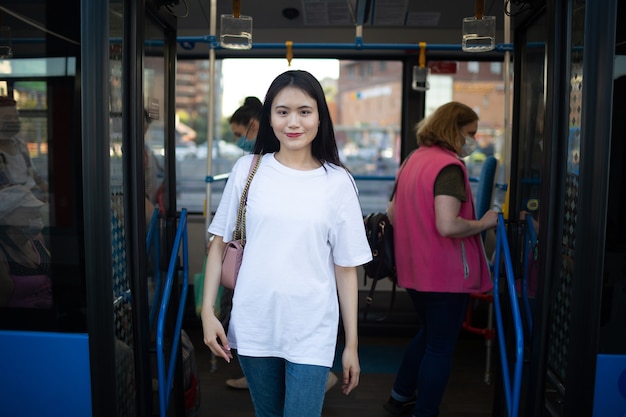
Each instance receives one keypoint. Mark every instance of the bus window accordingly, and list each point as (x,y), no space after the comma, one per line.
(365,98)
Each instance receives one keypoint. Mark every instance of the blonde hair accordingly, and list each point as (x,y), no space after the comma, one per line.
(442,128)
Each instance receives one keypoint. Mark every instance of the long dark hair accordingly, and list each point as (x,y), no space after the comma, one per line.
(324,146)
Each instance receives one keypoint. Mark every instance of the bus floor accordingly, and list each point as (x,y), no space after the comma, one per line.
(467,394)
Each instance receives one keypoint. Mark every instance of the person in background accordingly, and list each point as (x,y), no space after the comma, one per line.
(244,123)
(16,166)
(24,259)
(433,204)
(305,238)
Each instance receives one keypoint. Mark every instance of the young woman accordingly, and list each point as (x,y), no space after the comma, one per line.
(433,204)
(244,123)
(305,238)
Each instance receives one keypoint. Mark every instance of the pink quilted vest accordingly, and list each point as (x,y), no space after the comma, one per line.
(425,260)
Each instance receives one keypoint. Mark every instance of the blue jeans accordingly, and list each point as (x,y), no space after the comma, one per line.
(280,388)
(426,365)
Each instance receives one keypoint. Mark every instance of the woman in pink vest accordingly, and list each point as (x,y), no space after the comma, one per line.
(440,257)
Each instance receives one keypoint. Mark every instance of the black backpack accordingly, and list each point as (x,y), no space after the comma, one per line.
(379,232)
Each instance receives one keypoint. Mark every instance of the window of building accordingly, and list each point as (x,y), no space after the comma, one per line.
(495,67)
(473,67)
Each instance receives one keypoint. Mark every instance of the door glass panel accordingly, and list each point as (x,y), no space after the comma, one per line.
(40,287)
(480,85)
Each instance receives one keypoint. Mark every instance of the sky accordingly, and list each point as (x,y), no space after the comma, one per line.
(252,77)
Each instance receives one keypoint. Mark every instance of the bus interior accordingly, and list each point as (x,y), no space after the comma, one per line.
(124,109)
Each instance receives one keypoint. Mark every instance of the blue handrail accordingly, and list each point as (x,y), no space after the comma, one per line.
(154,236)
(511,393)
(189,42)
(530,244)
(165,385)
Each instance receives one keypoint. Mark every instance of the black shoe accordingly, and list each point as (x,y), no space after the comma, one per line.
(398,408)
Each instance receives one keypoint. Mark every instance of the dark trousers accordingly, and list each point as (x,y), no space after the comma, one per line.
(426,365)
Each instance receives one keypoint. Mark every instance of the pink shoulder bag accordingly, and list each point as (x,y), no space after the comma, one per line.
(233,253)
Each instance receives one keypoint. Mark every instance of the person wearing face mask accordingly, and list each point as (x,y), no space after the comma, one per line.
(24,258)
(440,258)
(244,123)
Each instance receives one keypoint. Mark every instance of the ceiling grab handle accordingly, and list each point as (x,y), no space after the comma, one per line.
(236,29)
(479,31)
(421,72)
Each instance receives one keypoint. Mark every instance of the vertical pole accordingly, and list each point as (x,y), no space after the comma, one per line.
(211,120)
(507,98)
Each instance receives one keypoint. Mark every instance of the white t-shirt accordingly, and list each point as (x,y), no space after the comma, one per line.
(298,225)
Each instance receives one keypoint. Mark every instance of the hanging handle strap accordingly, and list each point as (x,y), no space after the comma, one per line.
(240,226)
(236,8)
(479,9)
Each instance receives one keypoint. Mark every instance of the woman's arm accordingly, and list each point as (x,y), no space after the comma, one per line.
(348,291)
(449,224)
(214,334)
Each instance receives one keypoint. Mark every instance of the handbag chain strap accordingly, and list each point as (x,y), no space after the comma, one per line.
(240,227)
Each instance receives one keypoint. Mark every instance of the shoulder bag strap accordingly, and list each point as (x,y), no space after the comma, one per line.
(240,226)
(395,184)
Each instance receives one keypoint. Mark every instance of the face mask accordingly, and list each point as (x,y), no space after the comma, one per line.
(469,146)
(245,144)
(10,129)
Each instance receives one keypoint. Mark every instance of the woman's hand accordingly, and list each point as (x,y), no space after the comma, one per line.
(348,291)
(351,370)
(215,336)
(489,219)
